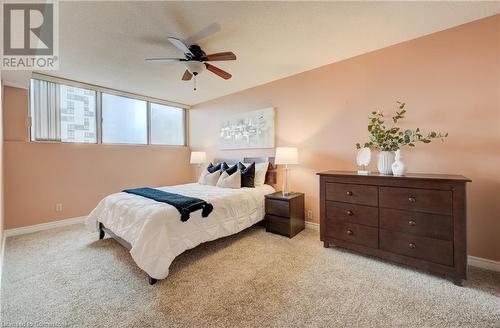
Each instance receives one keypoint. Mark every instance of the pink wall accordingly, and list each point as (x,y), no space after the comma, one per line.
(1,172)
(450,81)
(39,175)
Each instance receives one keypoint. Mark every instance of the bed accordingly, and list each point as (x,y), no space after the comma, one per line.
(153,231)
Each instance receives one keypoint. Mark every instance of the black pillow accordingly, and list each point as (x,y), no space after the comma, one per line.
(247,175)
(229,170)
(212,168)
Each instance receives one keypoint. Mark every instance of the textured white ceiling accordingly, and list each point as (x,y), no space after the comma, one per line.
(104,43)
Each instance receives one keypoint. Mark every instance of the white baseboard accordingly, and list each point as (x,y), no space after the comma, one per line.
(483,263)
(475,261)
(312,225)
(43,226)
(2,252)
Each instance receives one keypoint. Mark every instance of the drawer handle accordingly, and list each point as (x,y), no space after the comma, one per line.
(348,193)
(412,223)
(412,245)
(350,213)
(349,232)
(412,199)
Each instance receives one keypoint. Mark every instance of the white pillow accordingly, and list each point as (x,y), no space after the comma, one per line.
(207,178)
(260,173)
(230,181)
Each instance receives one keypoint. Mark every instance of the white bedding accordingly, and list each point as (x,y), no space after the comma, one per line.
(157,234)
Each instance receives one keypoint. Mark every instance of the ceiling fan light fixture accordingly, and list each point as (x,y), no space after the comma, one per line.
(195,67)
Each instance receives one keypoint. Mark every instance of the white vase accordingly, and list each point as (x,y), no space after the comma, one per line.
(384,164)
(398,167)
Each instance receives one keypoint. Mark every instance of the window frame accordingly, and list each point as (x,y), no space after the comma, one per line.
(99,118)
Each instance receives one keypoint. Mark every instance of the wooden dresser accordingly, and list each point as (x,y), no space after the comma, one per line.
(418,220)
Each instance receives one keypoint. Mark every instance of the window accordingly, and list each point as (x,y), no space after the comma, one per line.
(67,111)
(124,120)
(78,115)
(62,113)
(167,125)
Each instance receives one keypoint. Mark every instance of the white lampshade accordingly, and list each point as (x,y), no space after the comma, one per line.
(198,157)
(286,155)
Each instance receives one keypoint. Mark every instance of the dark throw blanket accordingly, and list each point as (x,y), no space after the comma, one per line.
(184,204)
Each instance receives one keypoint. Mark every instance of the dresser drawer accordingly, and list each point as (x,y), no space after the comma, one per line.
(352,193)
(416,223)
(353,233)
(433,250)
(423,200)
(344,212)
(278,207)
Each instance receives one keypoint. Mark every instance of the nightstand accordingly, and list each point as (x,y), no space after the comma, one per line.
(285,214)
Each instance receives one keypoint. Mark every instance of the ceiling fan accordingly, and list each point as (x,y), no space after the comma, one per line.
(195,60)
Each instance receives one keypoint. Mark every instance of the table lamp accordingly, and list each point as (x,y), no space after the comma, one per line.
(198,157)
(286,156)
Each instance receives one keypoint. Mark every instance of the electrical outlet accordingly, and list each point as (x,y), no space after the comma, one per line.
(59,207)
(309,214)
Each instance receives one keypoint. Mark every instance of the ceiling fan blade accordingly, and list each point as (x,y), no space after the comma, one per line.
(204,33)
(163,60)
(187,76)
(220,56)
(225,75)
(180,45)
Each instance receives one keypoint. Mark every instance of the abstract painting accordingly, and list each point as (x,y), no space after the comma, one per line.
(254,129)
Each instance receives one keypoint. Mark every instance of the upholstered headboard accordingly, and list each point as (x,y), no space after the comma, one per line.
(271,171)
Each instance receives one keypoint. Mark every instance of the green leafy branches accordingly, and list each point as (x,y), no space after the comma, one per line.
(393,138)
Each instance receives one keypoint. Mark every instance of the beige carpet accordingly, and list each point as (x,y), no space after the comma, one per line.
(65,277)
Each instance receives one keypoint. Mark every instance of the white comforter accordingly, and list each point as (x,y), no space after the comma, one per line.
(157,234)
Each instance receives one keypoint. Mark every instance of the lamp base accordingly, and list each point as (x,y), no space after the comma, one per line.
(285,191)
(363,172)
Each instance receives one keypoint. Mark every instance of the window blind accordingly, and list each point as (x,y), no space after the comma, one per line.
(45,109)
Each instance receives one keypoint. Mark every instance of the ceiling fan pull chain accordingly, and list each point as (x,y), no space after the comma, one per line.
(194,81)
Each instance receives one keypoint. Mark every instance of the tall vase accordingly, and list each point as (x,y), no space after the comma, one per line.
(385,160)
(398,167)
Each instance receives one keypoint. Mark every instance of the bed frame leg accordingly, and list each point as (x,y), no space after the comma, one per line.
(152,281)
(101,231)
